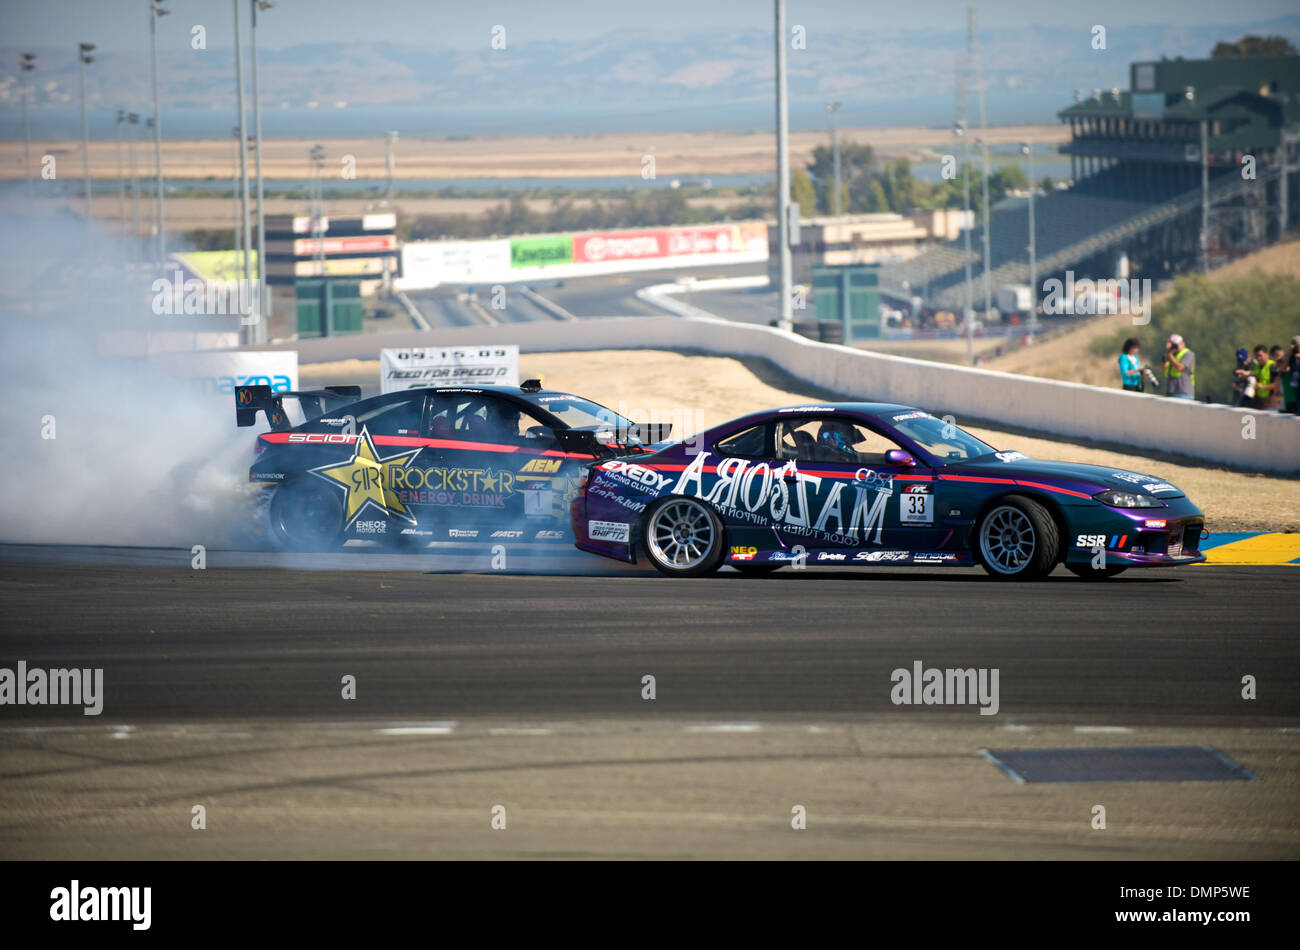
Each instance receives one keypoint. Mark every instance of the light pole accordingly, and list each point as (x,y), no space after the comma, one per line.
(243,149)
(83,59)
(259,329)
(234,189)
(317,155)
(967,223)
(133,119)
(1027,150)
(390,139)
(783,172)
(156,11)
(121,178)
(988,289)
(831,109)
(27,65)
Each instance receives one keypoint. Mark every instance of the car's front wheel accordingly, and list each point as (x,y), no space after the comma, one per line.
(306,516)
(683,537)
(1018,540)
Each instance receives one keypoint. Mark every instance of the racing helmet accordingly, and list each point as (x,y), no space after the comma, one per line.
(835,440)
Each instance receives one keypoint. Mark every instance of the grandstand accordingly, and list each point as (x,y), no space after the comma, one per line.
(1141,191)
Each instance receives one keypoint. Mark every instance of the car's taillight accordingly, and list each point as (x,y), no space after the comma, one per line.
(258,447)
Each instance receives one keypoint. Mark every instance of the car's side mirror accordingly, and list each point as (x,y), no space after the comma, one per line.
(900,457)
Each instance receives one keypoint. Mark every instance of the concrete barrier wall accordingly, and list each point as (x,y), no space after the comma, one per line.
(1150,423)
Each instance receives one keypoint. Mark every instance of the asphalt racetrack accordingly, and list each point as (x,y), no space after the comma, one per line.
(223,689)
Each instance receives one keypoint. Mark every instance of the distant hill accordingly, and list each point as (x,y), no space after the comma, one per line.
(865,69)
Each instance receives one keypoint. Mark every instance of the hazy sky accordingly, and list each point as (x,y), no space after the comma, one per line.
(123,24)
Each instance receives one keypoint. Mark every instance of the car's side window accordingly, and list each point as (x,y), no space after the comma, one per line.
(391,416)
(751,443)
(831,439)
(481,418)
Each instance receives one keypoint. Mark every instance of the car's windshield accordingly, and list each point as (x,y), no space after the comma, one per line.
(942,440)
(581,413)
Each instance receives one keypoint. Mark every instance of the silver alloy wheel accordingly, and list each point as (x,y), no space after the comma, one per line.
(1007,539)
(681,534)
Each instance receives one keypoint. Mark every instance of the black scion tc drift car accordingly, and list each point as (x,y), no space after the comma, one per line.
(433,464)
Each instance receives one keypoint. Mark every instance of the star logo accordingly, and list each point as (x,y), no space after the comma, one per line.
(363,479)
(489,480)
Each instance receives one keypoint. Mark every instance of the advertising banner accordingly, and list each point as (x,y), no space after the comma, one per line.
(538,251)
(620,246)
(358,244)
(217,373)
(411,367)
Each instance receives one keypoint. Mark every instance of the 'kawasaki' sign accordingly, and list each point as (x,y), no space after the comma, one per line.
(536,251)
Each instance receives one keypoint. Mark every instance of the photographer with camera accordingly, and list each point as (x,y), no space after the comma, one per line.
(1130,366)
(1179,367)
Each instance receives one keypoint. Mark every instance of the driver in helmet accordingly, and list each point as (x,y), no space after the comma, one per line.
(835,441)
(502,421)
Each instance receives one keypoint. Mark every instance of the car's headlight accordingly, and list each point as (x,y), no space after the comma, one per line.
(1118,498)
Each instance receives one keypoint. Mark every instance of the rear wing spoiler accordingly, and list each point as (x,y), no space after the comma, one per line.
(606,442)
(249,400)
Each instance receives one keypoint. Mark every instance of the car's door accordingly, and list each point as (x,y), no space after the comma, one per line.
(372,445)
(491,479)
(843,490)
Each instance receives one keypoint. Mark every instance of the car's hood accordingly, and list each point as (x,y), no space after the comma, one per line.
(1076,475)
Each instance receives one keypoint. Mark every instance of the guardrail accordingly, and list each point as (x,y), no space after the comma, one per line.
(1255,441)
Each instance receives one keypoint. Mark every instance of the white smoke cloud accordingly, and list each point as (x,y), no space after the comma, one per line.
(136,457)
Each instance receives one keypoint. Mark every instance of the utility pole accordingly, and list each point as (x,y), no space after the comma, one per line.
(783,172)
(83,59)
(832,108)
(1028,150)
(27,65)
(259,330)
(156,11)
(243,149)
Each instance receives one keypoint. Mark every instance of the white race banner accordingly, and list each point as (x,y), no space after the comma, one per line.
(411,367)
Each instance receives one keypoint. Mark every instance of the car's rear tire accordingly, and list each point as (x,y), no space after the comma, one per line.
(306,515)
(1090,573)
(683,537)
(1017,539)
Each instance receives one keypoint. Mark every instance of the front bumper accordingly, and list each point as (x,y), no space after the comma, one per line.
(1167,537)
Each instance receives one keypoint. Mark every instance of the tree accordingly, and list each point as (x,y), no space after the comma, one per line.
(803,193)
(875,200)
(1253,46)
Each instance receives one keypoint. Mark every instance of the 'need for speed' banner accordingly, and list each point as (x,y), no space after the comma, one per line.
(411,367)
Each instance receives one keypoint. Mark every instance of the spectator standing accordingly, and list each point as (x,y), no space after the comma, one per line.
(1267,394)
(1239,377)
(1130,366)
(1179,366)
(1291,377)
